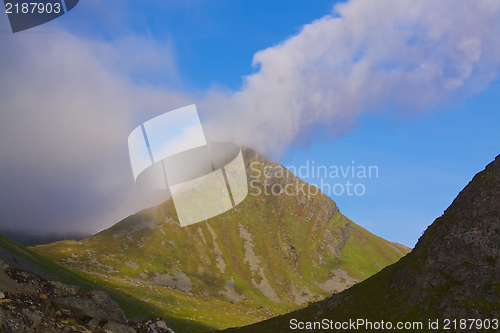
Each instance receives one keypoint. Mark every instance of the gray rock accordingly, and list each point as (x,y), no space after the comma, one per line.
(153,325)
(62,289)
(96,304)
(118,328)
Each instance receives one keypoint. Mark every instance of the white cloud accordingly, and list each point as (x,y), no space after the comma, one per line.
(368,55)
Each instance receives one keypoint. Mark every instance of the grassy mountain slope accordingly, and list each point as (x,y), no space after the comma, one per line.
(18,256)
(271,254)
(453,272)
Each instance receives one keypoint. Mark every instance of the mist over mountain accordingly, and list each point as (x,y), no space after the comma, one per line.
(287,244)
(27,238)
(452,273)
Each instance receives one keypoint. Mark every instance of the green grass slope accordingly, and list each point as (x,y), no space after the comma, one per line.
(270,255)
(18,256)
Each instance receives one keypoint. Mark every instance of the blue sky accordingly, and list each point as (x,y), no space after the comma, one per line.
(423,162)
(214,41)
(427,131)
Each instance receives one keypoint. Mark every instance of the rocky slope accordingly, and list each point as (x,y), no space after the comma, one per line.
(273,253)
(30,303)
(453,272)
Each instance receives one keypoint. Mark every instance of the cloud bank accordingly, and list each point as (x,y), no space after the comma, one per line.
(68,103)
(65,119)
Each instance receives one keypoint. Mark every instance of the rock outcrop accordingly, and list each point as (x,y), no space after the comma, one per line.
(32,304)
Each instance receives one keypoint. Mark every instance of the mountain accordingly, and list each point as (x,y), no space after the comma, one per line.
(273,253)
(452,273)
(30,303)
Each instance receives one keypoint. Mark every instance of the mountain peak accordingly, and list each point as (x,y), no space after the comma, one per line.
(285,245)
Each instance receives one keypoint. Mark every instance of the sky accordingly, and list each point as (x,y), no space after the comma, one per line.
(408,87)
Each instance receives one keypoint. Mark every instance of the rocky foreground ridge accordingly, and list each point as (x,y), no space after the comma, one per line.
(453,272)
(30,303)
(39,296)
